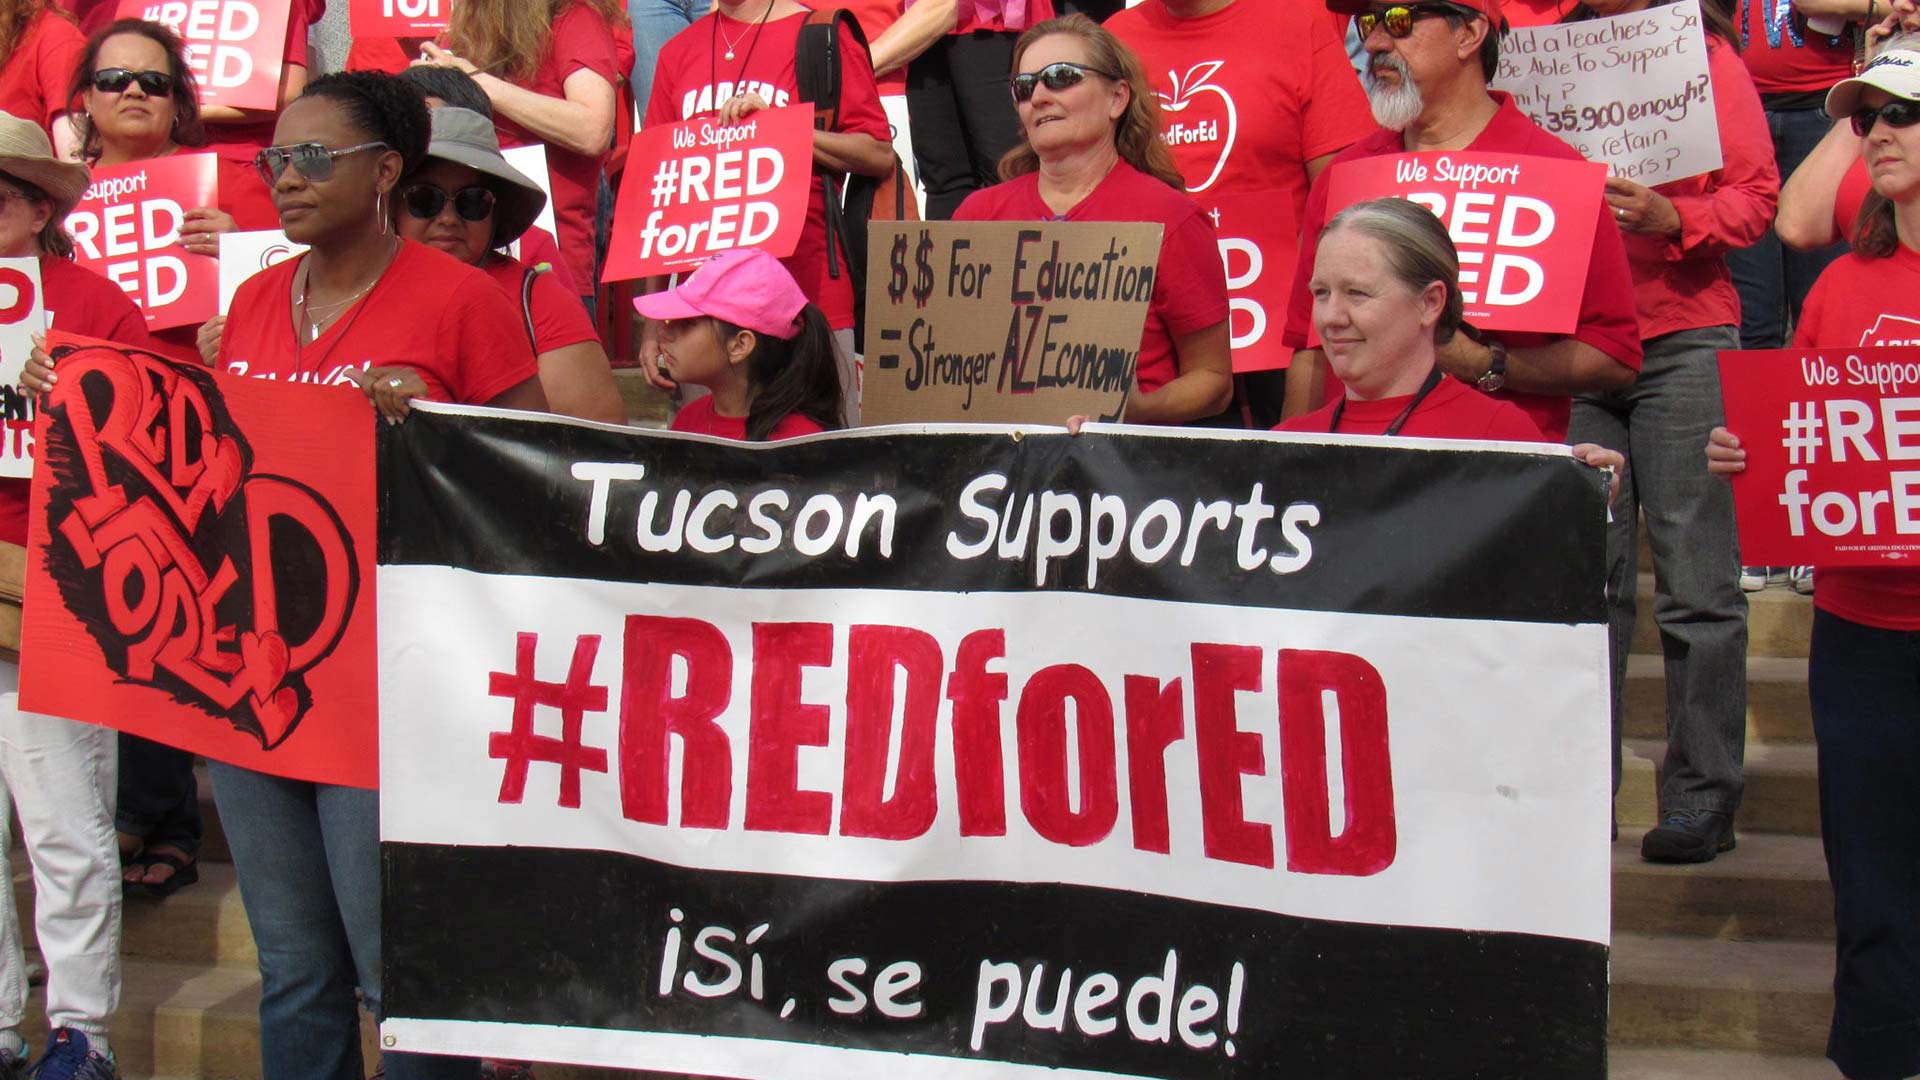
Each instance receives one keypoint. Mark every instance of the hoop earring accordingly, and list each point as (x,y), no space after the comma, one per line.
(379,212)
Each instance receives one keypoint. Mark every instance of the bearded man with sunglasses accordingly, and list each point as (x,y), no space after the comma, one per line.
(1428,68)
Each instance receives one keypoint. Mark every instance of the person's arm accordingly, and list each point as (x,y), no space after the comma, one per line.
(1805,219)
(582,121)
(578,382)
(1306,383)
(913,33)
(1203,387)
(526,396)
(1316,166)
(1565,366)
(852,152)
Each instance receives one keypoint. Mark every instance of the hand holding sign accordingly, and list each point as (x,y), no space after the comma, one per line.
(236,48)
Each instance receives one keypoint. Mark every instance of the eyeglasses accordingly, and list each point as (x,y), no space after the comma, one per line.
(313,160)
(1057,77)
(1399,18)
(1897,113)
(425,202)
(116,80)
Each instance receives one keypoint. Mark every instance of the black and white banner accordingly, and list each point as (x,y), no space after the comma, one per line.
(960,753)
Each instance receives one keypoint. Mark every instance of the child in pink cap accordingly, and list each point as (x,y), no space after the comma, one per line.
(740,326)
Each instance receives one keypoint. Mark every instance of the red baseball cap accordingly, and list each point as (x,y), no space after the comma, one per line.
(1489,8)
(746,287)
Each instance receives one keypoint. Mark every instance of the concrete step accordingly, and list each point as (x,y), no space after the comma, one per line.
(1778,622)
(1664,1063)
(1754,997)
(1782,793)
(1772,887)
(1777,708)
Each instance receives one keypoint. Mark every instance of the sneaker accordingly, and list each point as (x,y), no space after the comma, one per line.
(1688,836)
(1801,578)
(70,1057)
(1753,578)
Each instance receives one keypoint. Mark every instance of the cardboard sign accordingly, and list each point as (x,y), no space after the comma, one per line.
(204,566)
(23,313)
(1004,322)
(1523,226)
(1631,91)
(244,254)
(398,18)
(236,48)
(1260,245)
(127,229)
(700,187)
(531,160)
(1833,455)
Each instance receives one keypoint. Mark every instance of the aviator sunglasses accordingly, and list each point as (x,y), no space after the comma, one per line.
(425,202)
(313,160)
(1897,113)
(1057,77)
(1399,18)
(116,80)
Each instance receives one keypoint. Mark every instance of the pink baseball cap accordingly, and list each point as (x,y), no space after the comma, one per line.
(746,287)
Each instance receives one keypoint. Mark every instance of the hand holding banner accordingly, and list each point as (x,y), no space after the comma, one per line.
(236,48)
(23,313)
(1826,432)
(700,187)
(126,228)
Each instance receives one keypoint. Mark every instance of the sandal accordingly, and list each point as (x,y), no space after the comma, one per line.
(186,871)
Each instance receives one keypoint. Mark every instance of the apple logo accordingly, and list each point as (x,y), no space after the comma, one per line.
(1186,131)
(1892,330)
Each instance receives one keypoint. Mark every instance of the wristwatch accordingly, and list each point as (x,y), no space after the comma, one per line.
(1496,374)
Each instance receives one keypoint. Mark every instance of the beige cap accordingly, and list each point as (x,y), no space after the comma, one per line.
(27,154)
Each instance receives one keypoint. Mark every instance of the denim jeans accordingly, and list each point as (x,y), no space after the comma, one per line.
(654,23)
(159,797)
(1661,424)
(1773,279)
(1865,688)
(308,859)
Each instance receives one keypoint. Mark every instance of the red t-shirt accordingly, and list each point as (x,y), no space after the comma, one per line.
(1535,12)
(1787,56)
(391,55)
(90,14)
(78,301)
(1859,302)
(690,79)
(1240,124)
(875,17)
(1453,411)
(699,418)
(559,319)
(1189,285)
(580,40)
(1681,283)
(429,311)
(34,77)
(239,141)
(537,246)
(1607,319)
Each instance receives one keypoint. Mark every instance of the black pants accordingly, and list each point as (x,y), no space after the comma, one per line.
(159,797)
(961,116)
(1097,10)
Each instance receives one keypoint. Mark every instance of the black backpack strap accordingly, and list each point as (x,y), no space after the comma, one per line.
(817,66)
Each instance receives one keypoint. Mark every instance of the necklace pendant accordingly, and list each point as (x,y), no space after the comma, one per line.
(729,55)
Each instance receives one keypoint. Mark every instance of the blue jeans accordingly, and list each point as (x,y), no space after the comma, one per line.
(308,859)
(1773,279)
(1864,683)
(159,797)
(654,23)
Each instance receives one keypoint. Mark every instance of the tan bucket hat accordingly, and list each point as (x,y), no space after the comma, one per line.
(27,154)
(464,137)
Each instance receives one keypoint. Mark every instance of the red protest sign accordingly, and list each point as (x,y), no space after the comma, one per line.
(1833,455)
(202,563)
(700,187)
(1524,226)
(236,48)
(1259,243)
(127,228)
(398,18)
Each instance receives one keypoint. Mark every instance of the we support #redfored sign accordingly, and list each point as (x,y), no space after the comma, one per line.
(127,228)
(398,18)
(1833,455)
(236,48)
(700,187)
(1524,226)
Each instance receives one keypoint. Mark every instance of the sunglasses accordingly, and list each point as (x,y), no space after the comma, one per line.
(1897,113)
(116,80)
(313,160)
(1399,18)
(425,202)
(1056,77)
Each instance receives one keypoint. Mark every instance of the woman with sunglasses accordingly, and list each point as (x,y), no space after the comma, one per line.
(38,46)
(468,202)
(1091,151)
(1863,664)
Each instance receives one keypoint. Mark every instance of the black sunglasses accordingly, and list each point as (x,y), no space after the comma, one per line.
(1057,77)
(116,80)
(313,160)
(1399,18)
(425,202)
(1897,113)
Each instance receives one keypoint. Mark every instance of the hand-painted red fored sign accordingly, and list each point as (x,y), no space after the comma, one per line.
(1833,455)
(1523,225)
(236,48)
(127,229)
(700,187)
(201,569)
(398,18)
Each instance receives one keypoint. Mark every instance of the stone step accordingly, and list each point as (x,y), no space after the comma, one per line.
(1782,793)
(1778,622)
(1770,997)
(1777,708)
(1665,1063)
(1772,887)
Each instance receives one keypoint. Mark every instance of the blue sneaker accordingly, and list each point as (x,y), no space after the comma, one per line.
(69,1057)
